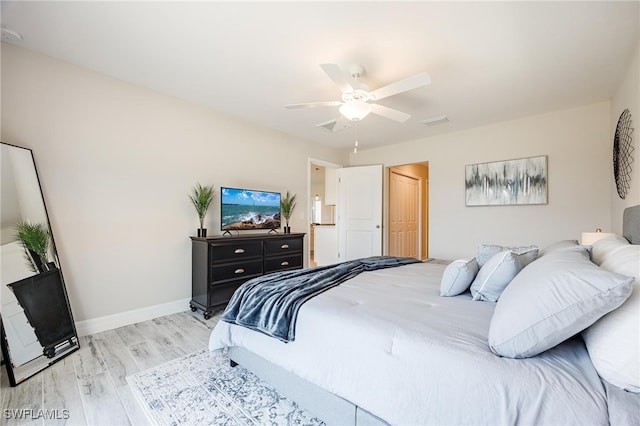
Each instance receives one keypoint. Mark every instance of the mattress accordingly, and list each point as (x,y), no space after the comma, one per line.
(387,342)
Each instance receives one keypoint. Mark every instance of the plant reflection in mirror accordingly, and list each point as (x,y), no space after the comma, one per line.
(35,238)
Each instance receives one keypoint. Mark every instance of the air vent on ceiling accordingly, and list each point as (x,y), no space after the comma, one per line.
(331,125)
(434,121)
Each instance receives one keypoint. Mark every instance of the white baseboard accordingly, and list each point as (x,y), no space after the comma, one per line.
(109,322)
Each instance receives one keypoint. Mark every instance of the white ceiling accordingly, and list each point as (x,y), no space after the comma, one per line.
(488,61)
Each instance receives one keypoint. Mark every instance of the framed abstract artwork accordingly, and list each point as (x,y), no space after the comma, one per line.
(521,181)
(622,150)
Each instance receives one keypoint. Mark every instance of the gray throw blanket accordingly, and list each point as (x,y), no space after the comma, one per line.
(270,303)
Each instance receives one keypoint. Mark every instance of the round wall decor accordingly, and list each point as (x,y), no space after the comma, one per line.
(622,149)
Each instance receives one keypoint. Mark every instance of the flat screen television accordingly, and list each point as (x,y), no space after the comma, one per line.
(245,209)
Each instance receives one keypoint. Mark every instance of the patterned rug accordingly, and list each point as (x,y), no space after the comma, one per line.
(199,390)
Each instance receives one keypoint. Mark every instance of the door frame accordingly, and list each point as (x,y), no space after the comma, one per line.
(310,162)
(424,203)
(420,202)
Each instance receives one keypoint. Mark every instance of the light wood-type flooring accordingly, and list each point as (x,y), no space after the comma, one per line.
(88,387)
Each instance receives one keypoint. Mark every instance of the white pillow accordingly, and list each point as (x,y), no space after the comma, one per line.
(606,247)
(497,273)
(457,277)
(558,245)
(613,341)
(552,299)
(487,251)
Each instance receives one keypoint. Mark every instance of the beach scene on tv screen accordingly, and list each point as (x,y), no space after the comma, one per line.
(243,209)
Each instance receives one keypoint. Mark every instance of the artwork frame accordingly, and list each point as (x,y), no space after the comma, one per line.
(520,181)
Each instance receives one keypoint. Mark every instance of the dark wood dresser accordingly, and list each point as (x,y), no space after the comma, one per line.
(221,264)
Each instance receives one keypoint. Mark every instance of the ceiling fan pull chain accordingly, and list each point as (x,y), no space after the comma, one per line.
(355,131)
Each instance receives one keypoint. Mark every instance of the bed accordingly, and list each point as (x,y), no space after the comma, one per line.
(384,347)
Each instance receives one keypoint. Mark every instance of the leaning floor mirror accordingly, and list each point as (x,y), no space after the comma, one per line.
(35,316)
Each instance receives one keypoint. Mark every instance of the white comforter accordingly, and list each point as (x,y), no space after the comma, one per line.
(386,341)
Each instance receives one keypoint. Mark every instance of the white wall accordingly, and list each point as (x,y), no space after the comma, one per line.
(627,96)
(577,144)
(9,211)
(116,163)
(21,199)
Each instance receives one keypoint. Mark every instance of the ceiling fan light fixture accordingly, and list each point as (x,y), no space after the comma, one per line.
(355,110)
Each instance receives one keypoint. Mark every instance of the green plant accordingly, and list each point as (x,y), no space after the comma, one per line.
(287,204)
(35,237)
(201,199)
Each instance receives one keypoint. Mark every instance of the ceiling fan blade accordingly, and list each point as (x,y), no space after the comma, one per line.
(390,113)
(400,86)
(335,73)
(314,104)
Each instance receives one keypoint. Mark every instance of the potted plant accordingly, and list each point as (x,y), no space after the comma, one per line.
(35,238)
(201,199)
(287,204)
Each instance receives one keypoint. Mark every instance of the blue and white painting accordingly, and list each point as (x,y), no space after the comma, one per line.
(510,182)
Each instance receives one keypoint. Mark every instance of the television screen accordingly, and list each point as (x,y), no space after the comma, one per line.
(244,209)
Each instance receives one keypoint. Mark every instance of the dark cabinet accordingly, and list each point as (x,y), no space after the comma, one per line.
(44,300)
(221,264)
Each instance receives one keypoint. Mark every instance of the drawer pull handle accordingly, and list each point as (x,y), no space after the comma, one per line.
(239,251)
(284,246)
(239,271)
(285,263)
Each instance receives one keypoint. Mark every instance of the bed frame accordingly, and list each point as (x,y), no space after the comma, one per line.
(329,407)
(631,224)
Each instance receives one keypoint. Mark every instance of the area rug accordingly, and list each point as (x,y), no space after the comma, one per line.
(198,389)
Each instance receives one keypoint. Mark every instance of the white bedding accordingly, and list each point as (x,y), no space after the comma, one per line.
(386,341)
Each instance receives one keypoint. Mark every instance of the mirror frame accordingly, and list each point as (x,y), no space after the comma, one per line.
(19,373)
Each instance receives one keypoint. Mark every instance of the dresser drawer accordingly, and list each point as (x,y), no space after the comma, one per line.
(221,293)
(280,263)
(230,252)
(247,269)
(282,246)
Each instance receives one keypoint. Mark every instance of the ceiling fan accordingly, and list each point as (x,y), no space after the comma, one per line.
(356,97)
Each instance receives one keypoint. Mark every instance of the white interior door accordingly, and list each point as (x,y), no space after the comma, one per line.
(359,212)
(24,343)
